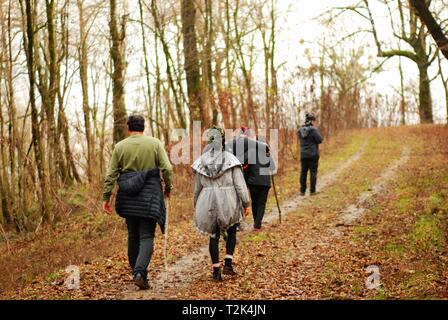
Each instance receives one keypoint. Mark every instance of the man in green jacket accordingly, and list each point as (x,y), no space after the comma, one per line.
(136,164)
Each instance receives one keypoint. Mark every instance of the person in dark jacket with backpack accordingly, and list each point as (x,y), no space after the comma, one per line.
(239,147)
(258,166)
(136,164)
(310,138)
(258,180)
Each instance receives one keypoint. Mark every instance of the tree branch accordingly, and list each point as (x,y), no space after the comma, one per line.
(434,28)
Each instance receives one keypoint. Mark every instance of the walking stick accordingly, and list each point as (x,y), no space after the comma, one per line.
(165,246)
(276,199)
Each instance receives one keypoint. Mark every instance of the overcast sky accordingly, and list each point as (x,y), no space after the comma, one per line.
(300,23)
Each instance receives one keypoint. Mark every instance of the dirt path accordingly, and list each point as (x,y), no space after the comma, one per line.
(302,258)
(184,271)
(354,212)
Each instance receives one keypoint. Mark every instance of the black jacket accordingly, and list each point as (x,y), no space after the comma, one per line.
(239,147)
(256,159)
(310,138)
(260,172)
(140,195)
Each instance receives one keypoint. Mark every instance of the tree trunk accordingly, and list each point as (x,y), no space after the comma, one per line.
(15,187)
(273,71)
(50,101)
(4,202)
(66,163)
(222,94)
(402,95)
(267,89)
(446,102)
(228,94)
(425,100)
(191,64)
(117,55)
(35,127)
(4,196)
(103,127)
(148,83)
(83,65)
(207,63)
(163,125)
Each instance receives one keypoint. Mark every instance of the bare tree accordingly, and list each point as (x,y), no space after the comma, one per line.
(197,111)
(416,39)
(83,65)
(28,14)
(176,88)
(208,88)
(117,54)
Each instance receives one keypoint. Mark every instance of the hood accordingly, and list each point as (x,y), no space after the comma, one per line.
(305,131)
(214,164)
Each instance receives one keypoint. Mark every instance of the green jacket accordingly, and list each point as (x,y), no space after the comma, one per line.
(137,153)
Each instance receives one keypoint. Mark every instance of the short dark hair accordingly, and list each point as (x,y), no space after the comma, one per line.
(136,123)
(310,117)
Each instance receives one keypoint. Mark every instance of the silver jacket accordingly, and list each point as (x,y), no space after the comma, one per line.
(220,192)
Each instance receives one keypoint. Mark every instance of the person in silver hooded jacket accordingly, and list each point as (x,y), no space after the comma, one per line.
(221,199)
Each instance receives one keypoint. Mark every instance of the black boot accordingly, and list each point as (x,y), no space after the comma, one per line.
(141,281)
(228,267)
(217,274)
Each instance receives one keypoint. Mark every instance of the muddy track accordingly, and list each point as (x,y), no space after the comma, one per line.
(348,217)
(187,269)
(355,211)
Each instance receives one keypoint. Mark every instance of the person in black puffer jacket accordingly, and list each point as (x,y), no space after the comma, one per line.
(310,138)
(138,164)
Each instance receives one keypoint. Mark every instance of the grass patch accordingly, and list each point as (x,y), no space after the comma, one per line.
(437,201)
(404,204)
(376,210)
(53,276)
(363,230)
(256,237)
(427,233)
(420,279)
(396,249)
(381,294)
(331,160)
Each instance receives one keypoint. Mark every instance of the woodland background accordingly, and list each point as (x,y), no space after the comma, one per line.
(72,70)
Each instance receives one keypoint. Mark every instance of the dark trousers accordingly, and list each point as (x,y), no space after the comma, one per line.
(309,164)
(230,243)
(140,243)
(259,196)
